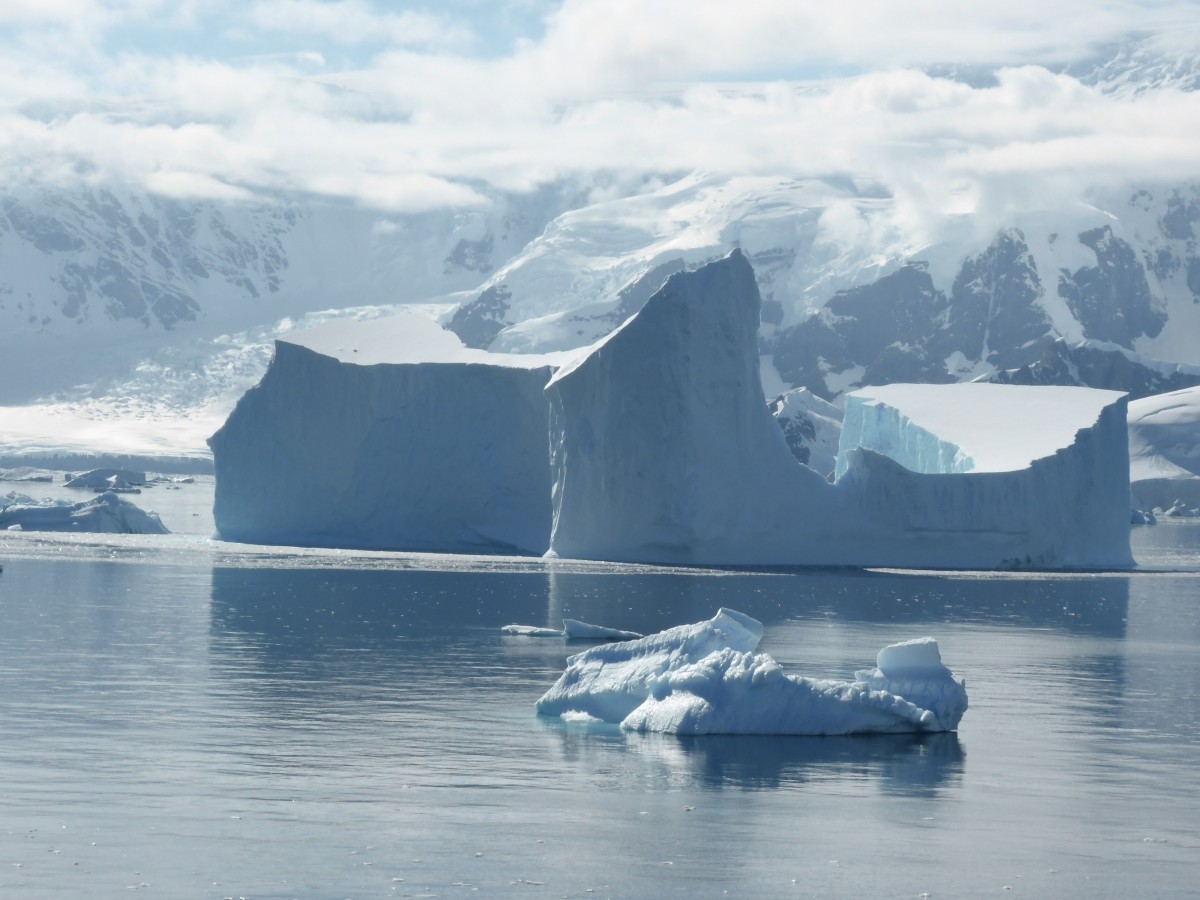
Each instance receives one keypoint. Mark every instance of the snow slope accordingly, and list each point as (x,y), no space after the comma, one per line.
(853,294)
(1164,449)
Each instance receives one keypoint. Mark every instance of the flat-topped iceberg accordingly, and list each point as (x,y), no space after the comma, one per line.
(662,451)
(345,443)
(708,678)
(120,481)
(938,429)
(573,630)
(655,445)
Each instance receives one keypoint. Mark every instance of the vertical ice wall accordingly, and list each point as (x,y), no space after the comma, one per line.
(883,428)
(662,450)
(430,456)
(661,446)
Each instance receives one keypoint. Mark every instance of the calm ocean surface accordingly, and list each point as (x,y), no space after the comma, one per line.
(180,718)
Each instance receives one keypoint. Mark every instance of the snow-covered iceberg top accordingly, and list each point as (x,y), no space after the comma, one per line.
(408,337)
(974,427)
(707,678)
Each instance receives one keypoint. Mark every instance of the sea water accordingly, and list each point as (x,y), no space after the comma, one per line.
(182,718)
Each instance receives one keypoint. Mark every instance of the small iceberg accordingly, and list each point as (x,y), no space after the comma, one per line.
(532,631)
(708,678)
(574,630)
(107,514)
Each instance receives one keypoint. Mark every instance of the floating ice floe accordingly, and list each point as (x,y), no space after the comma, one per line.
(708,678)
(121,481)
(574,630)
(107,513)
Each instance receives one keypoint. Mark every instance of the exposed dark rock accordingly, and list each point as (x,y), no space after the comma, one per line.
(1097,367)
(1111,299)
(477,323)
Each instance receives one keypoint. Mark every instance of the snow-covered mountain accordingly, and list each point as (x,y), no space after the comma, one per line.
(130,322)
(96,279)
(852,297)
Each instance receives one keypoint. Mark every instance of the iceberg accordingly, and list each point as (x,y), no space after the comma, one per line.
(708,679)
(990,475)
(347,443)
(611,681)
(662,451)
(121,481)
(574,630)
(106,513)
(1164,451)
(655,445)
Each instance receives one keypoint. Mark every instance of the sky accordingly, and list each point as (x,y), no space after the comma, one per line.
(407,107)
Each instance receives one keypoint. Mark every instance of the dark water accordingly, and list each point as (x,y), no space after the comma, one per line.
(192,725)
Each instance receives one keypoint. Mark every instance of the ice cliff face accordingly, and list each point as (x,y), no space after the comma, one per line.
(661,447)
(1042,473)
(438,456)
(670,456)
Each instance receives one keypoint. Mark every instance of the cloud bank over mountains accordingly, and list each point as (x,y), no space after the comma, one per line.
(950,108)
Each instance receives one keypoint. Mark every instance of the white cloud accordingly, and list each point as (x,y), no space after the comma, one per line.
(357,22)
(611,86)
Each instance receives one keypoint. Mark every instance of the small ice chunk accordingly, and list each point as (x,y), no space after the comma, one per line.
(583,631)
(913,669)
(577,717)
(531,631)
(920,654)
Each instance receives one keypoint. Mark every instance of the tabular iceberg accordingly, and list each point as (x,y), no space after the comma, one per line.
(343,444)
(707,678)
(662,451)
(655,445)
(989,476)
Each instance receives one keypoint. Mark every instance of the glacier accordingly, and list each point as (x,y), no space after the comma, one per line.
(340,445)
(654,445)
(708,678)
